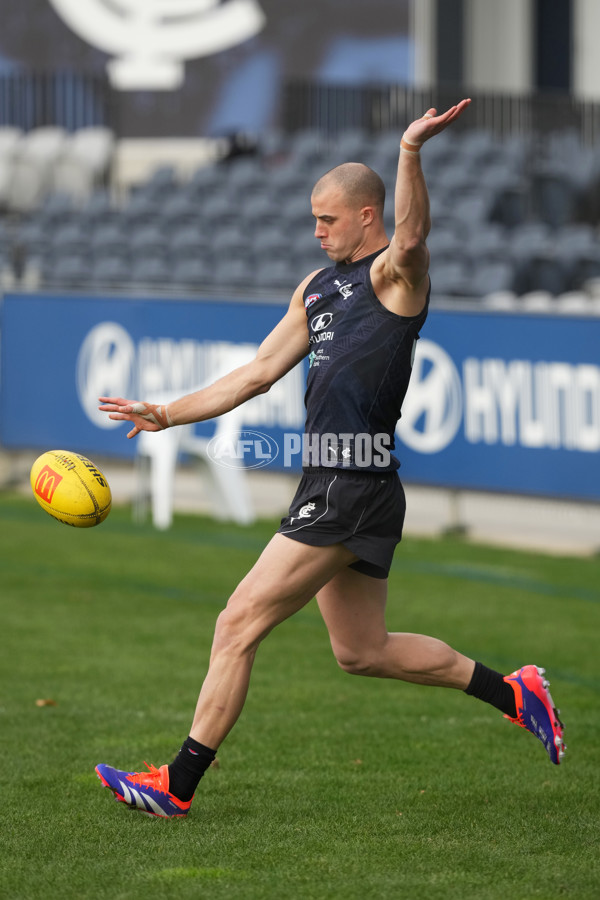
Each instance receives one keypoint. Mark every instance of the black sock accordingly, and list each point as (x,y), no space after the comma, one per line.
(188,767)
(490,686)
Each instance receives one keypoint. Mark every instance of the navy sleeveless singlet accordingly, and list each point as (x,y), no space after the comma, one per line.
(360,364)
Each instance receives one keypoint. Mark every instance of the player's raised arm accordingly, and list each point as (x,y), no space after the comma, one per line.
(281,350)
(406,261)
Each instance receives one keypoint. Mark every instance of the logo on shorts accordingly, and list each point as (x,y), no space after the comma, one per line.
(306,512)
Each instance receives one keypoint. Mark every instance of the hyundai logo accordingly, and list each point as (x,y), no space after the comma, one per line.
(321,322)
(432,409)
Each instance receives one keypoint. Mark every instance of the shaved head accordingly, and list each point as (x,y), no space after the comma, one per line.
(360,185)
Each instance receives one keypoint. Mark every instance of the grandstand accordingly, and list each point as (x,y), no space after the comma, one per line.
(514,216)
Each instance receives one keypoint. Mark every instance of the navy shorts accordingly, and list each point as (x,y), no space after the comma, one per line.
(362,510)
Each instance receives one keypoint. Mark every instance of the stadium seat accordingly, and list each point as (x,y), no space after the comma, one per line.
(229,241)
(352,145)
(297,211)
(440,211)
(308,146)
(6,234)
(205,182)
(142,209)
(68,271)
(544,271)
(244,175)
(501,300)
(449,279)
(28,185)
(195,274)
(109,240)
(70,240)
(490,277)
(510,205)
(488,243)
(269,243)
(85,162)
(150,271)
(33,238)
(8,275)
(31,180)
(278,275)
(258,211)
(286,181)
(478,148)
(97,144)
(231,274)
(219,211)
(99,210)
(583,266)
(574,236)
(384,148)
(6,169)
(147,242)
(110,272)
(445,245)
(178,211)
(45,142)
(188,242)
(537,301)
(473,209)
(554,194)
(157,456)
(57,210)
(574,303)
(160,185)
(10,139)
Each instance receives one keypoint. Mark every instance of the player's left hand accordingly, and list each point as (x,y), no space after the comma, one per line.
(145,416)
(431,124)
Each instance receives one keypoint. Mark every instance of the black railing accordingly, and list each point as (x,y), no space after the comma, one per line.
(336,108)
(68,99)
(75,100)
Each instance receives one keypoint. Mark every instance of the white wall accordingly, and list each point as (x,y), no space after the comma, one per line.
(498,45)
(586,60)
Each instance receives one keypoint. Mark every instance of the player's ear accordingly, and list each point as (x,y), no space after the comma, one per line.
(367,214)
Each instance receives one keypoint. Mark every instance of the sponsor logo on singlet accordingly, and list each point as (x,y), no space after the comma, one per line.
(318,325)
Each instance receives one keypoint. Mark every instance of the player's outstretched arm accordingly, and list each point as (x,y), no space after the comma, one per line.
(281,350)
(407,260)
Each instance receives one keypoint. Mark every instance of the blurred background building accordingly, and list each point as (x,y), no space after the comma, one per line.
(167,150)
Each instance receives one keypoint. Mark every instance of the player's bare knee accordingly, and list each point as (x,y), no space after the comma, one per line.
(355,663)
(235,633)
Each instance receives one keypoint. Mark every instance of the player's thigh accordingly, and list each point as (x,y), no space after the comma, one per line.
(353,608)
(286,576)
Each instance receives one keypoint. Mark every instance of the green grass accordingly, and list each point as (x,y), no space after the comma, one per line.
(330,787)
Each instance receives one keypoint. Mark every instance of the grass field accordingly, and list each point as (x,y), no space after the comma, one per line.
(330,787)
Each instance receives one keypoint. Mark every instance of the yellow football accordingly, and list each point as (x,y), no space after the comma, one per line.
(70,488)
